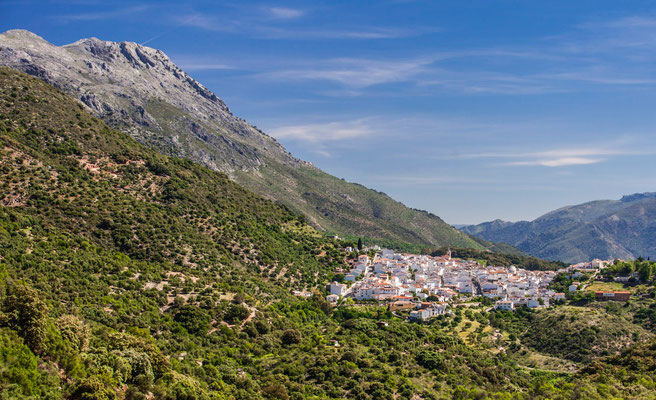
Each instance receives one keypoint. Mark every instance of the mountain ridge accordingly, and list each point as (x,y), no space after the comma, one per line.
(139,90)
(623,228)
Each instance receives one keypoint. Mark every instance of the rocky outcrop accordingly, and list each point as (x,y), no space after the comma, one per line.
(139,89)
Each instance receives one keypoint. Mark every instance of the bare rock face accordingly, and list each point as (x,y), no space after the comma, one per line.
(139,90)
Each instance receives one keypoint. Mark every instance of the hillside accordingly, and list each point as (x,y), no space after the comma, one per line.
(604,229)
(581,334)
(126,274)
(139,90)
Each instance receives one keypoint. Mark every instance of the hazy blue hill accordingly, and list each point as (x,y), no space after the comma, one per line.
(624,228)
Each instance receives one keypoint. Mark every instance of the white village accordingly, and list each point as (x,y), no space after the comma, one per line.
(430,285)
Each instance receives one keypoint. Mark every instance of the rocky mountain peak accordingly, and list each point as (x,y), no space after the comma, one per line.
(24,34)
(637,197)
(140,90)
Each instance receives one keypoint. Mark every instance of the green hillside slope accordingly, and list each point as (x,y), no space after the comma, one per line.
(125,274)
(139,90)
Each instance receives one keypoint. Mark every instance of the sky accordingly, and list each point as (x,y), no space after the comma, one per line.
(473,110)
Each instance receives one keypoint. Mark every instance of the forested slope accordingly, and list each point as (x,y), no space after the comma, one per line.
(125,274)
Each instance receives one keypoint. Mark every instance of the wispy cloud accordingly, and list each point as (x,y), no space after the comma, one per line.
(561,157)
(557,162)
(103,15)
(285,13)
(190,63)
(619,52)
(261,29)
(354,72)
(410,180)
(324,132)
(275,23)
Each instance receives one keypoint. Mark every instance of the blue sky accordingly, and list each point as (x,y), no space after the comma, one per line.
(473,110)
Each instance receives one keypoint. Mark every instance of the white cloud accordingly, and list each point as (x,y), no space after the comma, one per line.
(558,162)
(192,66)
(101,15)
(354,72)
(617,52)
(562,157)
(285,13)
(266,25)
(319,133)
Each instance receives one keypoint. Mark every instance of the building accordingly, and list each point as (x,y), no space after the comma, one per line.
(428,313)
(337,288)
(533,303)
(504,305)
(333,298)
(615,296)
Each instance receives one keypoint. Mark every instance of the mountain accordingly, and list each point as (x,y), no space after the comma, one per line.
(127,274)
(139,90)
(604,229)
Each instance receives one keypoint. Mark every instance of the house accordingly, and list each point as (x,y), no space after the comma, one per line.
(337,288)
(572,288)
(427,313)
(333,298)
(533,303)
(559,296)
(615,296)
(504,305)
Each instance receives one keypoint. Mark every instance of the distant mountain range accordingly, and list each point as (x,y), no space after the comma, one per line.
(139,90)
(624,228)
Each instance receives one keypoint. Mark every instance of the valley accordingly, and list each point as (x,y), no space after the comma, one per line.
(155,246)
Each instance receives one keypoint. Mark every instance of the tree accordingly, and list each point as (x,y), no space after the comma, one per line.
(321,302)
(74,331)
(291,336)
(645,271)
(236,313)
(193,319)
(25,312)
(430,359)
(360,246)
